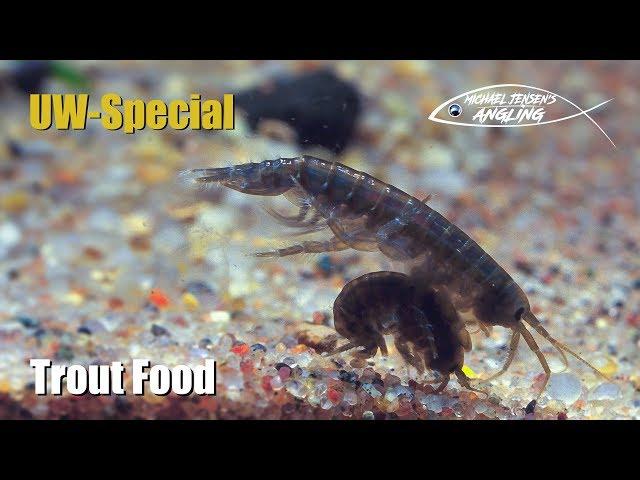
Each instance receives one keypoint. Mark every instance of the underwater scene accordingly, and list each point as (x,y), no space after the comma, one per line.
(365,240)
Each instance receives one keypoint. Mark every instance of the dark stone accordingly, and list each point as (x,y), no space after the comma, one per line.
(15,149)
(525,267)
(349,377)
(28,322)
(159,331)
(258,347)
(198,287)
(84,329)
(319,106)
(39,333)
(377,382)
(531,407)
(29,76)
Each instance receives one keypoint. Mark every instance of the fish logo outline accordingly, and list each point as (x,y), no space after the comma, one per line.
(580,112)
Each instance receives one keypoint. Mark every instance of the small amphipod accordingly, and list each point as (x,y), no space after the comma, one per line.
(427,330)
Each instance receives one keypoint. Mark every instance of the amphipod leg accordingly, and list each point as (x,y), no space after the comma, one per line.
(289,220)
(485,329)
(535,349)
(465,339)
(351,231)
(513,348)
(464,381)
(473,324)
(346,347)
(353,234)
(408,357)
(331,245)
(382,345)
(435,380)
(363,306)
(388,235)
(443,385)
(368,351)
(395,248)
(298,221)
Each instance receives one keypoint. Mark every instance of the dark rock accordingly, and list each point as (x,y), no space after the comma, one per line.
(29,76)
(28,322)
(531,407)
(198,287)
(525,266)
(84,329)
(159,331)
(280,365)
(39,333)
(349,377)
(319,106)
(15,149)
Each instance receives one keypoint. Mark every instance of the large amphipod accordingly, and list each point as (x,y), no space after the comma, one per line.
(367,214)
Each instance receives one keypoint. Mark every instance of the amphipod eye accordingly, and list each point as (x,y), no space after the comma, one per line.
(519,313)
(455,110)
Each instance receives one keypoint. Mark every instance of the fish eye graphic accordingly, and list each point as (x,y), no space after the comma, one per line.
(455,110)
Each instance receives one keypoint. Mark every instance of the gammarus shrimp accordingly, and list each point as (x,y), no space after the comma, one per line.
(364,213)
(428,332)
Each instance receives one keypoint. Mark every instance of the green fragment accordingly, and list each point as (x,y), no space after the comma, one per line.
(70,75)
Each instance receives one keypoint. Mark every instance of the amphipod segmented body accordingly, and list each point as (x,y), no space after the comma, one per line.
(367,214)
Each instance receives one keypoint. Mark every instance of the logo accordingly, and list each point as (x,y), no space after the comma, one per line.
(510,105)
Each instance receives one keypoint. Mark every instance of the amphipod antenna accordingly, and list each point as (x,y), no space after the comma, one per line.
(531,319)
